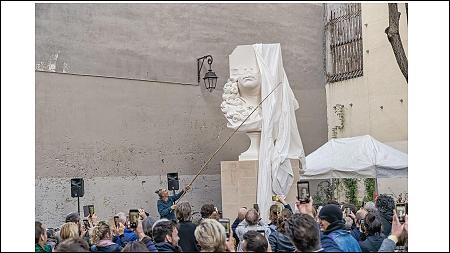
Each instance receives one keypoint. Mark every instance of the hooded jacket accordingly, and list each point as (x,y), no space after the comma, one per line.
(336,231)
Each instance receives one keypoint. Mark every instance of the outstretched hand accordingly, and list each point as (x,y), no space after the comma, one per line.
(397,227)
(142,213)
(306,208)
(231,243)
(281,199)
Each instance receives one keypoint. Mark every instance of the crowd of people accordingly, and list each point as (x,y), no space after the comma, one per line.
(332,227)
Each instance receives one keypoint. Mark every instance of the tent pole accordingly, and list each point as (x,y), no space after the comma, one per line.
(376,187)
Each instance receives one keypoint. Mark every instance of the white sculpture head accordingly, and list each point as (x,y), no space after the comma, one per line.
(242,92)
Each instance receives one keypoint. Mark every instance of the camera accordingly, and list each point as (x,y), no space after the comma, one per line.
(134,218)
(362,223)
(50,232)
(88,210)
(347,211)
(400,209)
(86,223)
(116,221)
(303,194)
(226,224)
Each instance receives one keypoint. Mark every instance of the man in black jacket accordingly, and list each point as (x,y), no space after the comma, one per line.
(186,228)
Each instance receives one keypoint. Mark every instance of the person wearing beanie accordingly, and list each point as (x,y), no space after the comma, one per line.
(333,230)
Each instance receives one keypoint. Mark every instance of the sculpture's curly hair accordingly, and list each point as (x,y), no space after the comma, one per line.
(233,106)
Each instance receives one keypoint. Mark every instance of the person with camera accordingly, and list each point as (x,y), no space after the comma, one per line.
(252,221)
(399,235)
(166,204)
(144,232)
(278,238)
(333,229)
(357,232)
(372,230)
(102,239)
(82,229)
(122,234)
(327,244)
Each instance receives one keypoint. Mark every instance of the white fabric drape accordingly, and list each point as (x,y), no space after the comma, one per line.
(280,139)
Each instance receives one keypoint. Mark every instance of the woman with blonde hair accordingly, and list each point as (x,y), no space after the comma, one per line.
(69,230)
(102,239)
(211,237)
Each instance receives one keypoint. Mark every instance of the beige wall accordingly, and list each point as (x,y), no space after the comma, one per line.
(381,85)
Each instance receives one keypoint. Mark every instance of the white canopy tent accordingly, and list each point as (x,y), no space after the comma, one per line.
(356,157)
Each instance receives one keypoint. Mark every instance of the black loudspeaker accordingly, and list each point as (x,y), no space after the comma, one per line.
(76,187)
(172,181)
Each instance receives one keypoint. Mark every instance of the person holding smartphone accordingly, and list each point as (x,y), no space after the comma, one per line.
(166,204)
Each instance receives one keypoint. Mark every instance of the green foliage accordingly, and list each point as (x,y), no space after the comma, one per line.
(369,184)
(351,190)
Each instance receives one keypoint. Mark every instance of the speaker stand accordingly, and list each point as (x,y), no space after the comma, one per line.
(78,205)
(174,192)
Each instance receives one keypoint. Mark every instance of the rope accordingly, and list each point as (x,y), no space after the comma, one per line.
(212,156)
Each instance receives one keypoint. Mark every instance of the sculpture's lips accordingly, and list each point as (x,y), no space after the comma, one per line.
(249,78)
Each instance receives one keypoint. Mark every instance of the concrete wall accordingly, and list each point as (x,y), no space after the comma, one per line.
(123,136)
(381,85)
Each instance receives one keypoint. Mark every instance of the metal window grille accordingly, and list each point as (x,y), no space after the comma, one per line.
(343,41)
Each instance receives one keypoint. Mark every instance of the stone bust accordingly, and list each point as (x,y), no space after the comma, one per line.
(242,92)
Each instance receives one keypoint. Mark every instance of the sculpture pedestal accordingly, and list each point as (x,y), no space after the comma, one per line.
(239,181)
(252,152)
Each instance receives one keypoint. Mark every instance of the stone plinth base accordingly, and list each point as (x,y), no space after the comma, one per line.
(239,181)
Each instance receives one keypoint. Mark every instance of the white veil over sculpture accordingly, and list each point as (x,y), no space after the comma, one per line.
(280,139)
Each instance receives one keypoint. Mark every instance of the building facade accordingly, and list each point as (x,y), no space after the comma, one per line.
(375,100)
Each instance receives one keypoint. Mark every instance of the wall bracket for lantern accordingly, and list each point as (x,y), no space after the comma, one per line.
(210,78)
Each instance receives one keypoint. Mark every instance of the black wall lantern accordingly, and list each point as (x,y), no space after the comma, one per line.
(210,78)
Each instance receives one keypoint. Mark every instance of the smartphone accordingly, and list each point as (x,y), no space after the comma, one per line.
(303,191)
(86,223)
(116,221)
(362,225)
(86,211)
(91,210)
(226,224)
(134,218)
(256,207)
(50,232)
(347,211)
(400,208)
